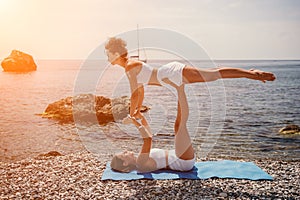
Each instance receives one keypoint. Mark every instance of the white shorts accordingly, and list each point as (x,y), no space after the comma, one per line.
(171,71)
(178,164)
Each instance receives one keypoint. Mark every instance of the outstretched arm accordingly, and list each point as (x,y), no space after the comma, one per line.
(137,90)
(134,99)
(137,98)
(144,162)
(140,101)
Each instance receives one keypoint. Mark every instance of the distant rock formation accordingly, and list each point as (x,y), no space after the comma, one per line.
(18,61)
(290,129)
(88,108)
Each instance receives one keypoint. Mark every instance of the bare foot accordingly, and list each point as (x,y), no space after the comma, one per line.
(263,76)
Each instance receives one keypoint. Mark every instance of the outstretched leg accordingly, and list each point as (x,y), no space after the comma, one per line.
(194,75)
(183,146)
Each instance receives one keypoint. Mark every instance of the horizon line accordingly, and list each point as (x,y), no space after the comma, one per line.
(169,59)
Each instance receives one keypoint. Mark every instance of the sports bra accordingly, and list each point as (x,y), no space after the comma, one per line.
(174,163)
(145,74)
(159,155)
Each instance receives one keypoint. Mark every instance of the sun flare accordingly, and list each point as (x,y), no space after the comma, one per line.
(3,3)
(5,6)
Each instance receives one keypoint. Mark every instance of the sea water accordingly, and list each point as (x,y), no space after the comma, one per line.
(243,121)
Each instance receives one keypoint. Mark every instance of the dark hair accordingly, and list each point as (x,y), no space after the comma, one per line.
(117,45)
(117,164)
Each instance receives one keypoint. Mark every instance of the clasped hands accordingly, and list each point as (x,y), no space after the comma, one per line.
(132,119)
(145,133)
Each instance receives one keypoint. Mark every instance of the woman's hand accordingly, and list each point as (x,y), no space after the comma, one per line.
(127,120)
(137,114)
(131,120)
(145,132)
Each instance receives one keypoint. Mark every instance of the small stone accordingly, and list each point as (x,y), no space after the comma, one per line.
(223,194)
(290,129)
(51,153)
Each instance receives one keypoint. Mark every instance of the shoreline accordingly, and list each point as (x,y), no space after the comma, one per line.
(78,175)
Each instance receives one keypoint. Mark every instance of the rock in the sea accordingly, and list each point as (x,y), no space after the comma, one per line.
(18,61)
(89,108)
(290,129)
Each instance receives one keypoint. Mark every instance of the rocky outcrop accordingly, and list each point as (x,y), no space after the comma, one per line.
(290,129)
(18,61)
(88,108)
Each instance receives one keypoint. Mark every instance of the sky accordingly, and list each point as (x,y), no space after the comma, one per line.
(226,29)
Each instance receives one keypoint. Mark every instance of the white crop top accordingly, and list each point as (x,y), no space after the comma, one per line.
(159,155)
(145,74)
(175,163)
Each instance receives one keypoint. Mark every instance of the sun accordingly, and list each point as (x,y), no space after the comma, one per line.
(4,4)
(6,8)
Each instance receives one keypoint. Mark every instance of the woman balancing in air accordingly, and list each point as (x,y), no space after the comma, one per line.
(177,75)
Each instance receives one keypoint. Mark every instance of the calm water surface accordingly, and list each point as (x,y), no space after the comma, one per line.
(254,112)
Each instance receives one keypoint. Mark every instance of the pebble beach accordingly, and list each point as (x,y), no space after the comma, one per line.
(78,176)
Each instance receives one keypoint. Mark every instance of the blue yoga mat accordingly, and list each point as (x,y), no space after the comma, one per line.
(201,170)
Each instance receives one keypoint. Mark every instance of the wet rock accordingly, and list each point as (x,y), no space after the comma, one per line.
(18,61)
(290,129)
(89,108)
